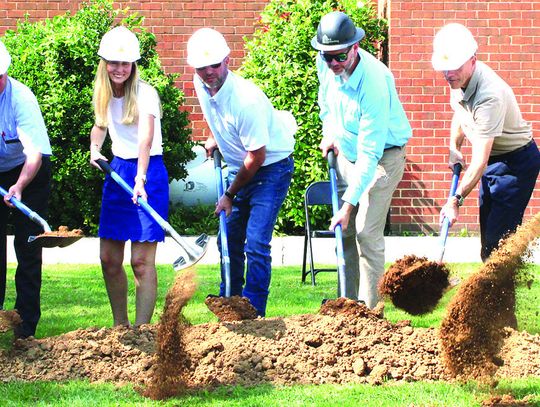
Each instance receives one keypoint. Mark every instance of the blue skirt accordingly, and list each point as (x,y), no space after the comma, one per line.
(120,218)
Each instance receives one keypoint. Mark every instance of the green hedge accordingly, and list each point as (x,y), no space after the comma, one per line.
(281,61)
(57,58)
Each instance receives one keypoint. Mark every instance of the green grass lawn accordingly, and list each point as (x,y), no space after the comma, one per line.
(73,296)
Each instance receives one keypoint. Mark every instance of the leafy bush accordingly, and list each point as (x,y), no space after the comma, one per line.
(281,61)
(57,58)
(194,220)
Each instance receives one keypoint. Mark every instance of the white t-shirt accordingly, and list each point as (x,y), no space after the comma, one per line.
(242,119)
(125,138)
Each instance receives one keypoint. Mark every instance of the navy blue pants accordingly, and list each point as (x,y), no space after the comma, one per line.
(506,187)
(29,256)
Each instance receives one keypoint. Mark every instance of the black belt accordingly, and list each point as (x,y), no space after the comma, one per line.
(526,146)
(392,148)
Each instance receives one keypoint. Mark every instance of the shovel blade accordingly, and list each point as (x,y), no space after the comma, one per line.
(53,241)
(193,256)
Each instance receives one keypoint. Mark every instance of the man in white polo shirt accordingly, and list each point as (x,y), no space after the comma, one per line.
(505,158)
(257,142)
(25,173)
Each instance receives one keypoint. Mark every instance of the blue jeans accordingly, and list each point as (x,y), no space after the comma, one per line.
(506,187)
(249,231)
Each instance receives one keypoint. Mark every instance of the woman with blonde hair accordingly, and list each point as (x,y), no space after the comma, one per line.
(130,111)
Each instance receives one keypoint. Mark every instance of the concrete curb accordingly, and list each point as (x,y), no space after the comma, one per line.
(286,251)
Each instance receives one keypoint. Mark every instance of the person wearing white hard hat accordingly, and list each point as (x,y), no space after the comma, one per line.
(257,142)
(364,123)
(505,160)
(128,109)
(25,173)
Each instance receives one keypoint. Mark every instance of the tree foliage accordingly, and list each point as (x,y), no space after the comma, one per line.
(57,58)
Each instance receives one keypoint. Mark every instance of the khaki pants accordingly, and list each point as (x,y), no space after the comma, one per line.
(363,240)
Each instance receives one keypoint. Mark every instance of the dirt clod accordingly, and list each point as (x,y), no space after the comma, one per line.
(233,308)
(415,284)
(9,320)
(505,400)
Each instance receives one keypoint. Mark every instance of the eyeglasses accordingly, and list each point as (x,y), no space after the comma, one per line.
(341,57)
(213,66)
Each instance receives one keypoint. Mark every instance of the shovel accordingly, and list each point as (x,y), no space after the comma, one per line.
(44,240)
(446,223)
(225,259)
(194,253)
(416,284)
(338,230)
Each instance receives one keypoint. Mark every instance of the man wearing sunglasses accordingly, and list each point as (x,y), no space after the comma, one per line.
(257,142)
(365,124)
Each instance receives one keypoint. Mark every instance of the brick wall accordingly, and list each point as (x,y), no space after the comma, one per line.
(508,34)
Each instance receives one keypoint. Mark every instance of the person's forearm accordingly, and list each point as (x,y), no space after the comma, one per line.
(456,135)
(252,163)
(29,170)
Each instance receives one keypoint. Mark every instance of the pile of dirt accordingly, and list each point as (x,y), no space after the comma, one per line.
(415,284)
(349,348)
(63,231)
(472,331)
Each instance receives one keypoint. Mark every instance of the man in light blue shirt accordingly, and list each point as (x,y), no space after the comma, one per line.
(25,173)
(365,124)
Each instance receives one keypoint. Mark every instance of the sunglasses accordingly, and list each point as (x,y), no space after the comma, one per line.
(213,66)
(341,57)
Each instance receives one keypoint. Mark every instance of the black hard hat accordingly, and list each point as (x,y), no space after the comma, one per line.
(336,31)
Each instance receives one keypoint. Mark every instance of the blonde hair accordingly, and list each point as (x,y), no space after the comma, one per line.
(103,93)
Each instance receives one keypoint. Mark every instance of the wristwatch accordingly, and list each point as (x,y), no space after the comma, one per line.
(459,199)
(229,195)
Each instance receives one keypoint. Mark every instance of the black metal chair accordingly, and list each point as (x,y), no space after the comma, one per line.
(317,193)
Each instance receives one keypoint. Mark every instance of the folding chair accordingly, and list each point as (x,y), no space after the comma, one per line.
(317,193)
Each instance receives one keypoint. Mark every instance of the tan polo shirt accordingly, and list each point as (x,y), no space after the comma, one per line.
(489,109)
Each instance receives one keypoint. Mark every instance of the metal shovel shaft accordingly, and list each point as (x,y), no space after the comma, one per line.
(338,230)
(27,211)
(446,223)
(225,259)
(194,254)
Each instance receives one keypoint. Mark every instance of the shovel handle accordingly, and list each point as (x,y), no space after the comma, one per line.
(27,211)
(446,223)
(104,165)
(225,259)
(338,230)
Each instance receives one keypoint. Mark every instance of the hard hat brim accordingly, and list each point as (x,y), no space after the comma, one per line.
(441,62)
(360,34)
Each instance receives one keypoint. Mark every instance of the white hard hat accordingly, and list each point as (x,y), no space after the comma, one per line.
(206,47)
(452,47)
(119,44)
(5,59)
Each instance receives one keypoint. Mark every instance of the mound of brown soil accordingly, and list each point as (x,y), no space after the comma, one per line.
(472,331)
(300,349)
(415,284)
(63,231)
(229,309)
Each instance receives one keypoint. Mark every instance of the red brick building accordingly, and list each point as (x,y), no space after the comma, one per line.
(508,33)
